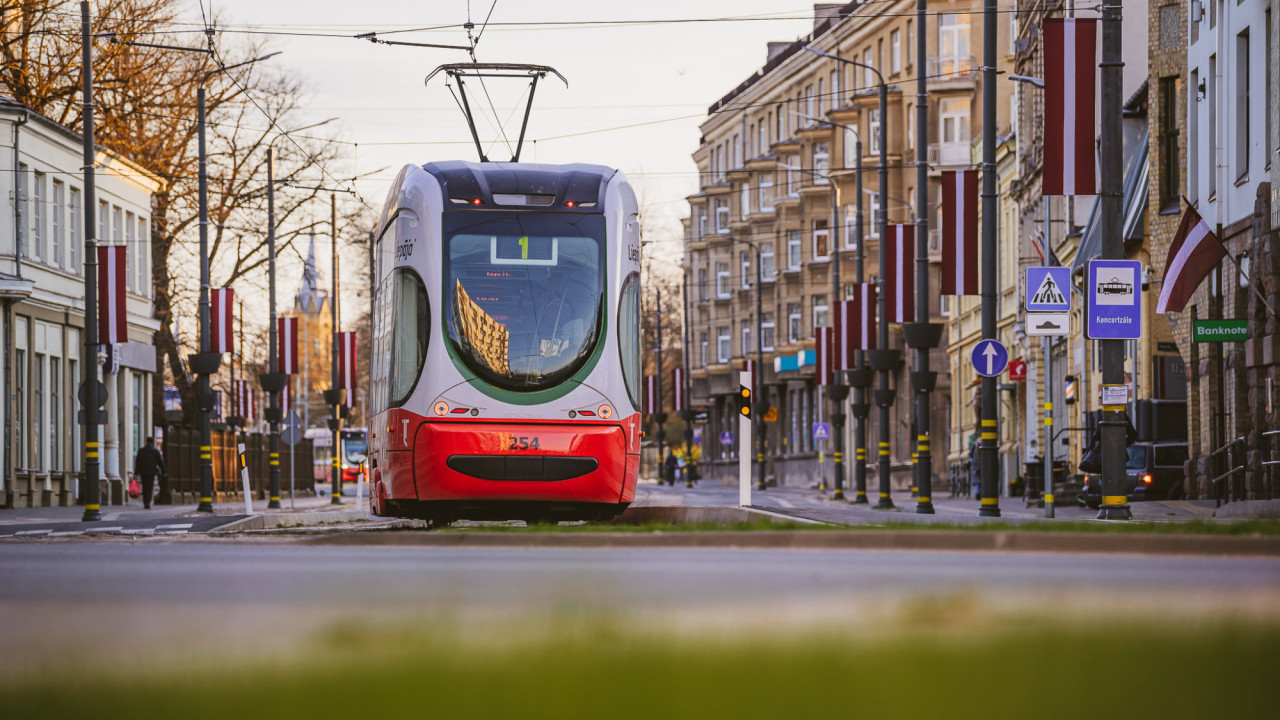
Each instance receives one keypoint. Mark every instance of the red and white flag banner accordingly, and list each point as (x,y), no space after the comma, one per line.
(842,345)
(221,337)
(677,389)
(244,400)
(1195,252)
(347,366)
(113,322)
(823,351)
(285,398)
(651,394)
(1070,67)
(960,233)
(287,348)
(900,255)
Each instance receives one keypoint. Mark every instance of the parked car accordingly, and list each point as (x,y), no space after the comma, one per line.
(1154,471)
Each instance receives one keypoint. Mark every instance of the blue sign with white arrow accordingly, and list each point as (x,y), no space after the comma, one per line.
(990,358)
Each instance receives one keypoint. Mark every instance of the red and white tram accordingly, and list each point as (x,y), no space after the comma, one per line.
(505,368)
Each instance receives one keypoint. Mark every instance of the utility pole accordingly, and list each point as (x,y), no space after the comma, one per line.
(688,407)
(1046,350)
(272,381)
(658,415)
(757,377)
(1115,505)
(335,395)
(988,449)
(89,491)
(209,362)
(924,336)
(861,373)
(838,390)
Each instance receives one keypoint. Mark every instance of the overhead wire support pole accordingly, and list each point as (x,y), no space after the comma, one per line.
(274,386)
(861,373)
(988,448)
(528,108)
(90,493)
(1115,504)
(927,335)
(336,398)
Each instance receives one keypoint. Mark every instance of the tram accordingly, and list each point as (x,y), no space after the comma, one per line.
(505,367)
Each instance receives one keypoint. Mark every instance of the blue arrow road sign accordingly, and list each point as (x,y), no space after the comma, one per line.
(1114,303)
(821,431)
(726,437)
(990,358)
(1048,289)
(697,435)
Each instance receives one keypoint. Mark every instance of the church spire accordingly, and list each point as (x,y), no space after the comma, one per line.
(311,295)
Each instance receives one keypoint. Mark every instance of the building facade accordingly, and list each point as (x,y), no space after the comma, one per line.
(42,312)
(778,181)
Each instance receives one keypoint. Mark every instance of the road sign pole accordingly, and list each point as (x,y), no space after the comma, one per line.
(744,449)
(1046,349)
(989,433)
(89,490)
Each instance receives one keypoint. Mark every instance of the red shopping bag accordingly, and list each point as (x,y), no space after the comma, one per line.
(135,488)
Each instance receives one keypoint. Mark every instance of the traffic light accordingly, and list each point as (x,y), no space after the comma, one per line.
(744,401)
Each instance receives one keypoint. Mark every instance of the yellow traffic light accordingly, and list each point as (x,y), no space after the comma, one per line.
(744,401)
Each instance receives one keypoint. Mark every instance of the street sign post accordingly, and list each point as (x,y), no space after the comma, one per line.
(822,431)
(989,358)
(1048,289)
(1219,331)
(1114,304)
(1048,323)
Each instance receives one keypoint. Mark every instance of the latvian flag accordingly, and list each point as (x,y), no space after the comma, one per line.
(677,389)
(1194,253)
(1070,61)
(347,366)
(900,254)
(823,351)
(960,233)
(244,400)
(220,322)
(287,336)
(112,314)
(651,394)
(855,324)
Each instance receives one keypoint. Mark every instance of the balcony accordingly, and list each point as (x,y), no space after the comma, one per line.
(950,154)
(935,245)
(948,68)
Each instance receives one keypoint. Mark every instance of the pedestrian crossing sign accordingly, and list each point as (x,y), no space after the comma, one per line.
(1048,289)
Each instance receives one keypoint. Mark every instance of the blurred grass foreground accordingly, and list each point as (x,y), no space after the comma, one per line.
(598,668)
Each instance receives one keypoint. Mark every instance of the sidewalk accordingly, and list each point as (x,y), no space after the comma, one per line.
(134,512)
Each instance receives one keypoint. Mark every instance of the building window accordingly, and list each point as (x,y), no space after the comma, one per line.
(73,368)
(722,343)
(793,249)
(1271,109)
(744,262)
(55,413)
(144,257)
(874,230)
(1211,83)
(766,262)
(1193,139)
(24,237)
(850,227)
(58,222)
(874,127)
(746,337)
(766,192)
(808,103)
(895,52)
(77,230)
(766,334)
(791,162)
(762,137)
(38,213)
(702,284)
(1241,108)
(794,331)
(722,279)
(117,227)
(1169,170)
(819,101)
(37,411)
(821,163)
(130,253)
(868,77)
(20,407)
(702,344)
(910,45)
(953,45)
(136,423)
(820,318)
(744,200)
(835,89)
(722,216)
(953,119)
(850,148)
(821,240)
(911,125)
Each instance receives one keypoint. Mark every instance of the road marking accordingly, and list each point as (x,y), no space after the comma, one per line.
(32,532)
(178,526)
(785,504)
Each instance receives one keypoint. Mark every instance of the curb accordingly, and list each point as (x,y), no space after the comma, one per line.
(1249,509)
(930,540)
(702,515)
(293,519)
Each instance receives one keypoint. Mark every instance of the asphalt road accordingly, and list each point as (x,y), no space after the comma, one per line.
(158,596)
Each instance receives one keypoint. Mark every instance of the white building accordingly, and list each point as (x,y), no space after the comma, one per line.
(1231,88)
(42,311)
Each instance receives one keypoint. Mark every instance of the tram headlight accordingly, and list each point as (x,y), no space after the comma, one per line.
(605,412)
(442,408)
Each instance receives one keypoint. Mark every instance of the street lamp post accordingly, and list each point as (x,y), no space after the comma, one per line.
(89,490)
(882,359)
(989,437)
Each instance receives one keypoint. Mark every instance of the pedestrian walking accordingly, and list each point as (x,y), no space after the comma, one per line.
(147,464)
(669,469)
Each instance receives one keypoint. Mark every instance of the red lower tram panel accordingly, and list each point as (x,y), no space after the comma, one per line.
(482,470)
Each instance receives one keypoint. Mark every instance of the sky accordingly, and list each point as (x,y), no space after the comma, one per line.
(660,77)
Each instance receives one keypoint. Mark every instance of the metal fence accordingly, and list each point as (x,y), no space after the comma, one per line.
(182,457)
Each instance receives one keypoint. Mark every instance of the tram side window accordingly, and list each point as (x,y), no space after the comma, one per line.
(629,337)
(412,327)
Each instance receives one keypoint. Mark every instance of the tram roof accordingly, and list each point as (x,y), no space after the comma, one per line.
(576,183)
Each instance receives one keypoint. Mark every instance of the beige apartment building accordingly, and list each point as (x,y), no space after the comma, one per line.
(777,167)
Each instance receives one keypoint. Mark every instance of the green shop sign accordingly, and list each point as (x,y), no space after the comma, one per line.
(1220,331)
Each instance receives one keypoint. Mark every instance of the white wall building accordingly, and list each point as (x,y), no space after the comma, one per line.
(1231,88)
(42,310)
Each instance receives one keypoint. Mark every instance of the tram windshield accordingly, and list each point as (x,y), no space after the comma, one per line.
(524,294)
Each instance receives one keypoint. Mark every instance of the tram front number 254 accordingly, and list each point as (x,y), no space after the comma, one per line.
(522,442)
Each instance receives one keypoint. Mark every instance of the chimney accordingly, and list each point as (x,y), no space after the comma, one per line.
(826,11)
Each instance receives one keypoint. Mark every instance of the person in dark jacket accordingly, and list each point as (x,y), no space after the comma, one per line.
(147,464)
(669,469)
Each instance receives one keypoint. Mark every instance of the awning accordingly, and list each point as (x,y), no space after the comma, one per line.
(1134,209)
